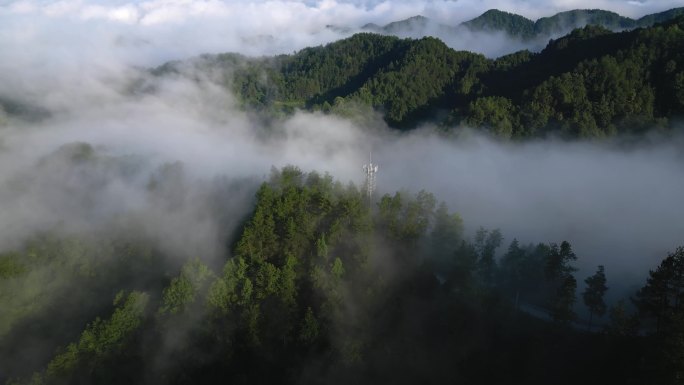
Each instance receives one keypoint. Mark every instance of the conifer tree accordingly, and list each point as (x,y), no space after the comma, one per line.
(593,294)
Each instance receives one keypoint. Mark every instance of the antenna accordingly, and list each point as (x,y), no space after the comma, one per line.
(370,169)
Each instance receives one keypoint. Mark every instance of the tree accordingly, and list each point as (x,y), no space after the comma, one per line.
(461,274)
(183,290)
(663,299)
(561,283)
(446,235)
(663,296)
(558,261)
(486,243)
(495,114)
(512,269)
(564,300)
(593,294)
(100,341)
(309,328)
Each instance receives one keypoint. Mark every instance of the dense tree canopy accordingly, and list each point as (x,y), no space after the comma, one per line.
(590,83)
(322,287)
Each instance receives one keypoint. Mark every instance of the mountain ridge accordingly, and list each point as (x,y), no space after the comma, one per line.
(495,20)
(590,83)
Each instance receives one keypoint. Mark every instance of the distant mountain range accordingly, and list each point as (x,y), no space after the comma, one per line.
(563,22)
(515,25)
(590,83)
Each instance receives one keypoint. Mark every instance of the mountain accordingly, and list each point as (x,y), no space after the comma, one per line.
(660,17)
(415,22)
(590,83)
(318,289)
(563,22)
(480,33)
(415,25)
(495,20)
(21,110)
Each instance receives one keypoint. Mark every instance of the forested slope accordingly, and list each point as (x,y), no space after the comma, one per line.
(321,289)
(520,27)
(590,83)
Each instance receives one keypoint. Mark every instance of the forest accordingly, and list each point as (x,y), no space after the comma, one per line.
(560,23)
(321,287)
(592,83)
(520,27)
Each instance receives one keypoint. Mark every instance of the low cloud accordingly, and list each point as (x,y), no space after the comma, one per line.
(617,203)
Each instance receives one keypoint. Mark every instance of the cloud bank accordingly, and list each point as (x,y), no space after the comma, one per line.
(181,164)
(150,32)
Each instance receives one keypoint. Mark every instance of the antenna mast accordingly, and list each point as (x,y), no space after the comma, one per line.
(370,169)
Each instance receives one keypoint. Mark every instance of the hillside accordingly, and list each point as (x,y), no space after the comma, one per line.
(308,296)
(562,22)
(495,20)
(590,83)
(518,26)
(660,17)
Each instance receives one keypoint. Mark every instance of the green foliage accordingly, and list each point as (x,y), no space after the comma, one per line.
(565,21)
(590,83)
(322,288)
(11,266)
(47,269)
(309,331)
(307,233)
(60,283)
(495,20)
(518,26)
(649,20)
(101,339)
(183,289)
(406,220)
(337,269)
(418,79)
(494,114)
(232,288)
(445,237)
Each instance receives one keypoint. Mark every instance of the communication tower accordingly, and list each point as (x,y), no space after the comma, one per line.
(370,169)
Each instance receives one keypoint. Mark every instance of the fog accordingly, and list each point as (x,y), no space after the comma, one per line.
(145,33)
(618,204)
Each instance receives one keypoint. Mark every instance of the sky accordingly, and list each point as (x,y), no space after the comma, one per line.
(154,31)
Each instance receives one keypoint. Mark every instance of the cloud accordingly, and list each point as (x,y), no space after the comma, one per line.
(618,204)
(176,29)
